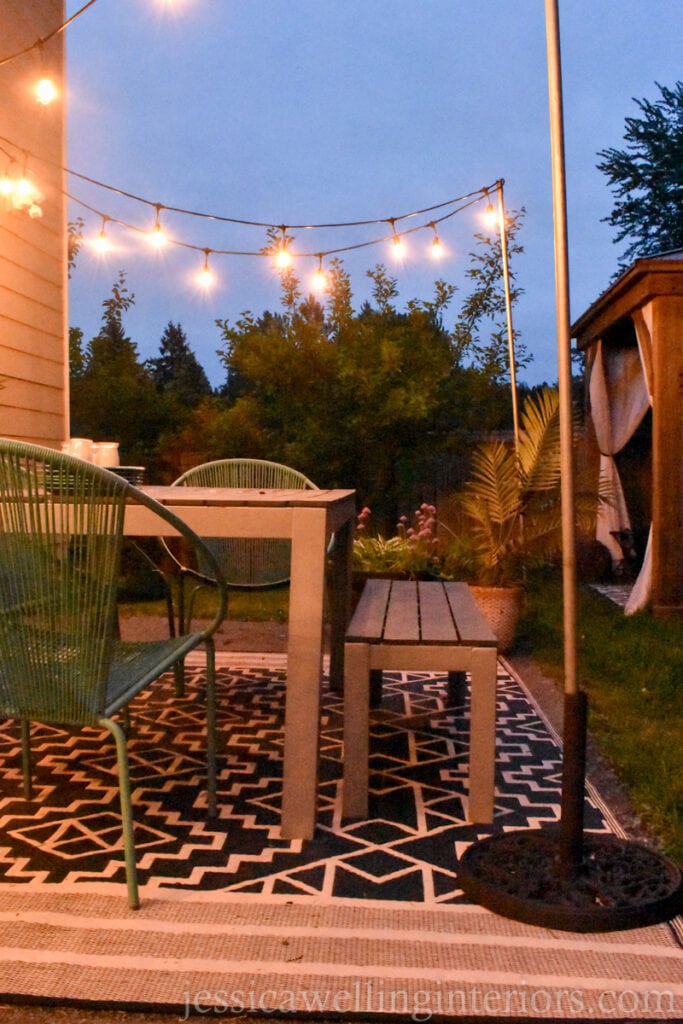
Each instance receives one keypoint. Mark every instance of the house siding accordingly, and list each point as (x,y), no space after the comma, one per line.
(34,398)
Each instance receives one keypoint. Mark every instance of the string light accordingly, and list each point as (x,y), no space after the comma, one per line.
(101,243)
(46,91)
(319,279)
(436,248)
(490,215)
(205,278)
(7,182)
(157,238)
(283,257)
(18,191)
(399,247)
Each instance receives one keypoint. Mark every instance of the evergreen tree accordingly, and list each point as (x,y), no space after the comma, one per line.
(176,371)
(114,398)
(647,178)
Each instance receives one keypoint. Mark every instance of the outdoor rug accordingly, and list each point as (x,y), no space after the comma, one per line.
(366,919)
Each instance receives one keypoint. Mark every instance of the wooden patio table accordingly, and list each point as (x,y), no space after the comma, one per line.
(307,518)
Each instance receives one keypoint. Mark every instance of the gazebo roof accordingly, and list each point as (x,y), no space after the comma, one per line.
(645,279)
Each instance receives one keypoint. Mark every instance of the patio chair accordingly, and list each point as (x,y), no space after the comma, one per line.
(61,659)
(245,563)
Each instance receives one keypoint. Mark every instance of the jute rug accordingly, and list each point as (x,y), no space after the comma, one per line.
(364,920)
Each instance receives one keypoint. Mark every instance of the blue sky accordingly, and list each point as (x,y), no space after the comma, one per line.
(287,111)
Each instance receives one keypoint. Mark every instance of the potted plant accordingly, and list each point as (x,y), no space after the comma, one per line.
(512,507)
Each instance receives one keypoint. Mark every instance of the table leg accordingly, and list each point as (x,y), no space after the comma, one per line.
(340,602)
(356,731)
(304,674)
(482,734)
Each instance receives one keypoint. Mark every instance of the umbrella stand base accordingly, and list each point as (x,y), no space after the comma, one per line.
(617,884)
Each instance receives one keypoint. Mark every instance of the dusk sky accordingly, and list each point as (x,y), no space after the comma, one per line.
(292,112)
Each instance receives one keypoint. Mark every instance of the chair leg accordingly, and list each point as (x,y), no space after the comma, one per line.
(126,810)
(179,667)
(26,758)
(211,728)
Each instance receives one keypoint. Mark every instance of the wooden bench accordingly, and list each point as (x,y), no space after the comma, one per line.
(419,626)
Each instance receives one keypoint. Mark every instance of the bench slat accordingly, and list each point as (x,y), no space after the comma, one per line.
(368,619)
(472,625)
(436,620)
(402,624)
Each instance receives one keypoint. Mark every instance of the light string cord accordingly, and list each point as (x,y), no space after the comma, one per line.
(477,193)
(473,198)
(464,202)
(44,39)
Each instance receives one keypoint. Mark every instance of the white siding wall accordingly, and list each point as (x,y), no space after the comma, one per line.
(33,266)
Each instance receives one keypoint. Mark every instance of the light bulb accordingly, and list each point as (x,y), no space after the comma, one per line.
(205,277)
(24,189)
(283,258)
(399,248)
(46,91)
(157,239)
(101,243)
(6,185)
(436,248)
(490,217)
(319,279)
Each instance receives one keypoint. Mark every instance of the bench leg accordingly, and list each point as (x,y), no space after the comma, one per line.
(482,734)
(356,730)
(375,687)
(457,688)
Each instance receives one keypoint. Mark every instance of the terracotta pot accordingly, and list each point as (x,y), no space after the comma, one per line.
(502,607)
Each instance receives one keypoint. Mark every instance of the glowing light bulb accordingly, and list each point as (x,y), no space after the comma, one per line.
(283,258)
(399,248)
(490,217)
(46,91)
(157,238)
(6,185)
(205,277)
(436,248)
(101,243)
(319,279)
(23,189)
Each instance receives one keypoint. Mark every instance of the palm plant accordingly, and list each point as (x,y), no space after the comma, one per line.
(512,500)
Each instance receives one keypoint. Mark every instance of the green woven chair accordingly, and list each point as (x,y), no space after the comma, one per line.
(61,659)
(248,563)
(245,563)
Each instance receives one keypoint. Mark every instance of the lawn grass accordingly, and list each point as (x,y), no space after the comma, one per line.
(632,670)
(269,605)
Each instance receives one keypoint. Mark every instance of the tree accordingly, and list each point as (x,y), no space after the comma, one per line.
(113,397)
(480,332)
(350,399)
(647,178)
(176,371)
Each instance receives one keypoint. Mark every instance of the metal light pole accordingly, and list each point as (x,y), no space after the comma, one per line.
(508,310)
(573,782)
(566,879)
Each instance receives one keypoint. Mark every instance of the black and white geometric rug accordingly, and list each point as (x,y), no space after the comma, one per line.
(364,920)
(406,850)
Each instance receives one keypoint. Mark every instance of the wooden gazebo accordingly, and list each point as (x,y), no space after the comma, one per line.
(632,337)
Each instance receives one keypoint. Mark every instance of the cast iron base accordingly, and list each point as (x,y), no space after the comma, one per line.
(618,884)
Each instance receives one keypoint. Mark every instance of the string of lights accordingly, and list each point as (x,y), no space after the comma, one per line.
(39,43)
(22,192)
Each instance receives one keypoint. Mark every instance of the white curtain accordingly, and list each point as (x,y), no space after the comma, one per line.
(620,395)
